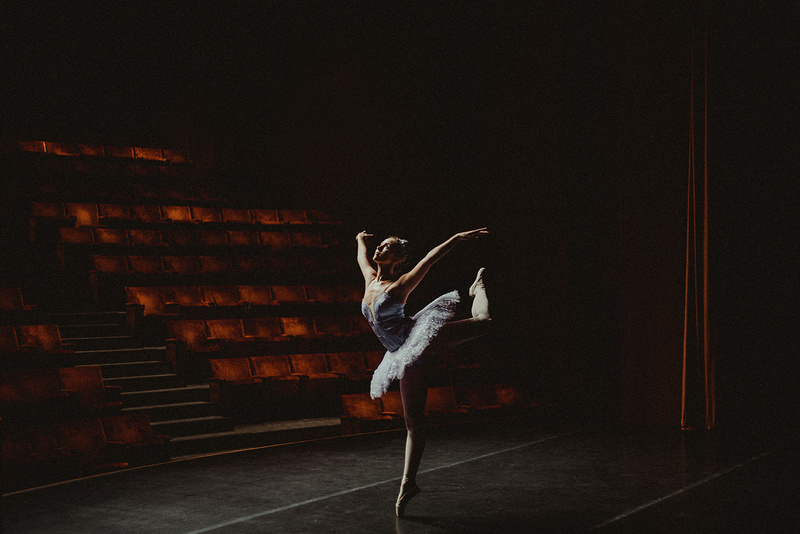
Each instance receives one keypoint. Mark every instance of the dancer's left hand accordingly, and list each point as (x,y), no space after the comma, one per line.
(473,234)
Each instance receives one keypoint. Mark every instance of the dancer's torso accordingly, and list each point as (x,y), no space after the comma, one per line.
(387,317)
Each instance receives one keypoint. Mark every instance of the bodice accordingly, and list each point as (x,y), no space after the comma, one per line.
(388,320)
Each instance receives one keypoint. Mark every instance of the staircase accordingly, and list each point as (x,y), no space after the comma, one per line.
(174,408)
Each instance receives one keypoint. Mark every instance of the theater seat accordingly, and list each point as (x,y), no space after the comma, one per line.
(333,325)
(87,438)
(213,238)
(113,213)
(289,294)
(12,308)
(111,236)
(146,213)
(392,403)
(248,264)
(146,264)
(150,298)
(180,237)
(9,344)
(442,407)
(227,330)
(43,338)
(34,394)
(221,296)
(232,370)
(373,358)
(179,264)
(234,215)
(298,327)
(11,300)
(360,413)
(348,364)
(264,216)
(241,238)
(288,216)
(276,241)
(145,237)
(280,385)
(95,396)
(262,327)
(276,366)
(177,213)
(135,433)
(109,264)
(184,297)
(307,239)
(76,236)
(205,215)
(232,383)
(188,349)
(85,214)
(214,264)
(54,210)
(481,399)
(256,295)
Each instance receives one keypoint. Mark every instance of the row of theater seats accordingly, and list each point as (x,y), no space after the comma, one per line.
(109,275)
(72,214)
(445,404)
(193,265)
(148,241)
(181,300)
(192,342)
(49,393)
(33,345)
(45,453)
(285,386)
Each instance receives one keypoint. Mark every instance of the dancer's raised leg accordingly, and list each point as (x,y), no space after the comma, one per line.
(480,303)
(456,332)
(414,392)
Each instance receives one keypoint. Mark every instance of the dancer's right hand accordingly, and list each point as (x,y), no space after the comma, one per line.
(363,235)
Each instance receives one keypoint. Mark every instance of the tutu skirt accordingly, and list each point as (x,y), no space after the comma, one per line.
(424,327)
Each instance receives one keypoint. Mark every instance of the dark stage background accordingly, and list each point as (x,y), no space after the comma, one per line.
(563,127)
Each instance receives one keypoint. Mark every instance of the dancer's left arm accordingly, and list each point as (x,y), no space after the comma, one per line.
(407,282)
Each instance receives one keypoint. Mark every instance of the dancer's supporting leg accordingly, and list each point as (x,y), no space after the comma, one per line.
(414,392)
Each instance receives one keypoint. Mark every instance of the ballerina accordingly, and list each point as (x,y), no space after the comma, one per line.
(408,340)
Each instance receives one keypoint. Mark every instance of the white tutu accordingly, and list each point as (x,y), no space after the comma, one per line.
(425,325)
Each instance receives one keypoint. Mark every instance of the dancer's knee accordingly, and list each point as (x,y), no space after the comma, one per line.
(415,426)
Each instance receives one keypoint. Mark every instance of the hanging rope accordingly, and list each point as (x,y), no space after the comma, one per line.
(698,399)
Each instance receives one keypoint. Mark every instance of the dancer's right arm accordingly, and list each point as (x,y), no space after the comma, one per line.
(363,257)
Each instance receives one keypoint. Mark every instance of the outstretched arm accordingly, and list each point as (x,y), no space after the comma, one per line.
(363,257)
(407,282)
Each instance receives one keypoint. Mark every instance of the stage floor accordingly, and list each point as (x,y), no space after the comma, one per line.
(508,476)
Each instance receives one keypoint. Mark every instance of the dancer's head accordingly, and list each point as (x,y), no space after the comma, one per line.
(392,253)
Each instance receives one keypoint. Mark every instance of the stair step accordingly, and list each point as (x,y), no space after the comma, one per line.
(101,356)
(193,393)
(93,330)
(194,426)
(147,382)
(104,342)
(258,435)
(117,317)
(130,369)
(176,411)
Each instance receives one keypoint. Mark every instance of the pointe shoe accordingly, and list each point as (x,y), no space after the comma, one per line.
(477,283)
(402,500)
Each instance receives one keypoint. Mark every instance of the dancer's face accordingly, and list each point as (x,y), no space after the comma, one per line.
(386,252)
